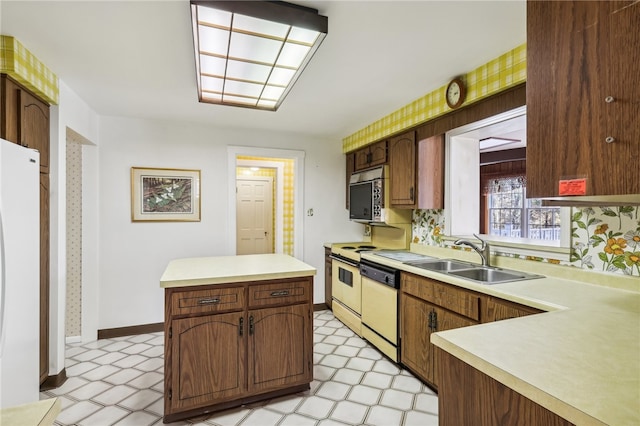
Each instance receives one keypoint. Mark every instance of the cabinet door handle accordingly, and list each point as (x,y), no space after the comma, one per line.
(610,139)
(411,193)
(208,301)
(241,326)
(280,293)
(609,99)
(433,321)
(251,325)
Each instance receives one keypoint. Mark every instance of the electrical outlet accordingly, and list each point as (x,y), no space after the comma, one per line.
(310,212)
(367,230)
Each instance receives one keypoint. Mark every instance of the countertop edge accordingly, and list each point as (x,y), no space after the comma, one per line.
(237,279)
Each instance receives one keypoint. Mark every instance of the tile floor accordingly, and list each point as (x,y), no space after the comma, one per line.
(120,382)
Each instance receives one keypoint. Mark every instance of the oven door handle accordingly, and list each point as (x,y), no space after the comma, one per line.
(343,260)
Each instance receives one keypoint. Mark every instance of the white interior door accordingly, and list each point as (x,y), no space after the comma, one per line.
(254,211)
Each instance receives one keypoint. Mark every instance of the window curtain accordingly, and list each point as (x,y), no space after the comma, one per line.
(493,185)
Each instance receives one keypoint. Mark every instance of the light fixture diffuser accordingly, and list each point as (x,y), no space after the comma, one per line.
(250,53)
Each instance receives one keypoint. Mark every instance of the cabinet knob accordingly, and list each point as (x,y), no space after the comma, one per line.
(610,139)
(609,99)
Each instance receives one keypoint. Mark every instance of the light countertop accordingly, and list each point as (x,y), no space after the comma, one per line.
(39,413)
(232,269)
(580,360)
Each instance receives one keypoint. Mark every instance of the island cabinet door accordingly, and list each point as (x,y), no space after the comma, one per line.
(280,347)
(208,360)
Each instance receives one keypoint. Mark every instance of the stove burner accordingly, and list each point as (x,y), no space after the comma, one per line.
(348,248)
(366,247)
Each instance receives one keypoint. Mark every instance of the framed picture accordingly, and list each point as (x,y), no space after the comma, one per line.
(165,195)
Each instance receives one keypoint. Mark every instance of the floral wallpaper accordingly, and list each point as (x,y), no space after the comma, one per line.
(602,238)
(428,227)
(606,239)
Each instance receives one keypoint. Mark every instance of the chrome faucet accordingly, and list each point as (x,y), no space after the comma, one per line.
(484,250)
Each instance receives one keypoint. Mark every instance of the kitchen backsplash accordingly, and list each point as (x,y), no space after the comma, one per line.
(603,238)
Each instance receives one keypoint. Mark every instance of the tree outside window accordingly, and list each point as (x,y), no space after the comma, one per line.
(511,214)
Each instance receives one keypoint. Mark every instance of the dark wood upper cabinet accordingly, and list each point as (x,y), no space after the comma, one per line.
(583,97)
(402,170)
(25,120)
(34,130)
(350,168)
(371,156)
(431,172)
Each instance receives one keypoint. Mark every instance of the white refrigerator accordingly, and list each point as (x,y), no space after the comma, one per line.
(19,274)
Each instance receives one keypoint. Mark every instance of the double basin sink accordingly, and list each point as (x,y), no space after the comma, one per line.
(472,272)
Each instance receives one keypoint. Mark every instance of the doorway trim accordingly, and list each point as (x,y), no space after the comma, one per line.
(269,155)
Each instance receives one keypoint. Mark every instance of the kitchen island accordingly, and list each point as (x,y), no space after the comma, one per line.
(238,329)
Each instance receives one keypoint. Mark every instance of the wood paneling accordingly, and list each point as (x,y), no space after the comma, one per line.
(448,296)
(579,54)
(468,397)
(495,309)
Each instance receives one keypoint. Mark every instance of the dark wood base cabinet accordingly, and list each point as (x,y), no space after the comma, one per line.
(232,344)
(467,396)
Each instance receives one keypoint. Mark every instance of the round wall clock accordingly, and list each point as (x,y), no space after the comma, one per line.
(456,92)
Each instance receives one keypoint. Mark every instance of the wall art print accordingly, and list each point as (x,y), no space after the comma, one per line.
(165,194)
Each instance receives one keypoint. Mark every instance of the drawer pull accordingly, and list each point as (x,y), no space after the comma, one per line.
(280,293)
(208,301)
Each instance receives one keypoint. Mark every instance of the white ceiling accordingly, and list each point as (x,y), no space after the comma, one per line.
(135,58)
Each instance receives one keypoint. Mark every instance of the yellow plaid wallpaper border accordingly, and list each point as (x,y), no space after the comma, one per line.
(495,76)
(17,62)
(288,202)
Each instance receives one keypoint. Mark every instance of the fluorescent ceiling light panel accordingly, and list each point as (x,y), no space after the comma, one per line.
(250,53)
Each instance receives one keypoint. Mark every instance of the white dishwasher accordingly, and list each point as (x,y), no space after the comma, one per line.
(380,307)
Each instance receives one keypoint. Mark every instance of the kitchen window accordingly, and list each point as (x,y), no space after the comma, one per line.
(511,214)
(493,202)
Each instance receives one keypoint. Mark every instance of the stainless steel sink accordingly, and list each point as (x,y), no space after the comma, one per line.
(472,271)
(444,265)
(488,275)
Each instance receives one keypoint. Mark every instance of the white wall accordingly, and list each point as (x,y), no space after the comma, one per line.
(132,256)
(74,113)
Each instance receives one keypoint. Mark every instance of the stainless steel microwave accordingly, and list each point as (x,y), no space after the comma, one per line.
(366,196)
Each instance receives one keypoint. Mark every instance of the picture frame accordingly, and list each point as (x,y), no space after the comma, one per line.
(165,195)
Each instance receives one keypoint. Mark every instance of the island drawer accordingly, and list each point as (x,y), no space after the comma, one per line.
(279,293)
(211,300)
(447,296)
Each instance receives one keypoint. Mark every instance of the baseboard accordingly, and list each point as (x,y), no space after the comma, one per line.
(320,307)
(73,339)
(110,333)
(52,382)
